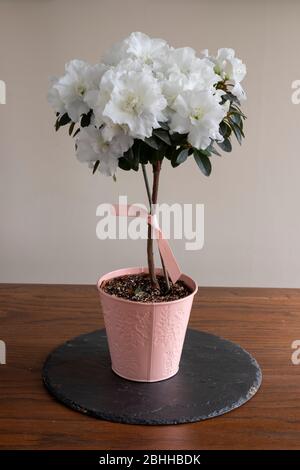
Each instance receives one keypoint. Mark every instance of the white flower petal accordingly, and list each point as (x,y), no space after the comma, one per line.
(72,89)
(135,100)
(54,98)
(92,145)
(199,114)
(230,68)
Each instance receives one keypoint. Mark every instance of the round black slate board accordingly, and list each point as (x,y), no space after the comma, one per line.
(215,376)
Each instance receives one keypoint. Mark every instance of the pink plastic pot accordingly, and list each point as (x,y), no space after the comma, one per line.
(145,339)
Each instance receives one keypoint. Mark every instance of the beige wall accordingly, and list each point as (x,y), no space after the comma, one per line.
(48,200)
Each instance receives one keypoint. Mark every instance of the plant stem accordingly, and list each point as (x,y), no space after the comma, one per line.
(156,174)
(165,273)
(147,184)
(150,254)
(152,201)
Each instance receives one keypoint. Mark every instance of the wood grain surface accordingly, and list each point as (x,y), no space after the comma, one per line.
(34,319)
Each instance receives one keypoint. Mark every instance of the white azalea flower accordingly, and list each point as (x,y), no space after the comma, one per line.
(135,100)
(178,82)
(97,99)
(73,86)
(172,87)
(115,54)
(198,72)
(187,72)
(112,131)
(148,50)
(96,144)
(138,46)
(231,68)
(54,98)
(198,114)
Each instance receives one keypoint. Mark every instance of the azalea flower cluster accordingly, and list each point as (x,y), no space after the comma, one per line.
(147,100)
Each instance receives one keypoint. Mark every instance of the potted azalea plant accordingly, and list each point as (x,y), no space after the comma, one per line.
(145,104)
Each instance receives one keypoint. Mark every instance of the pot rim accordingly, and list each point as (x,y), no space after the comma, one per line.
(141,270)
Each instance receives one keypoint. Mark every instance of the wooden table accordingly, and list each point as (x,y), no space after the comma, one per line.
(36,318)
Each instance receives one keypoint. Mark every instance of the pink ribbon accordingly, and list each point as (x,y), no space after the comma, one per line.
(163,245)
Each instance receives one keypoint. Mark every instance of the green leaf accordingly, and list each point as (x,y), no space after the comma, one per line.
(236,123)
(178,139)
(205,152)
(56,125)
(238,134)
(235,108)
(169,152)
(145,152)
(143,157)
(86,119)
(235,118)
(225,145)
(174,158)
(225,130)
(203,162)
(152,142)
(124,164)
(211,150)
(240,125)
(96,166)
(182,156)
(76,132)
(179,155)
(229,96)
(164,126)
(162,135)
(71,128)
(62,121)
(134,157)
